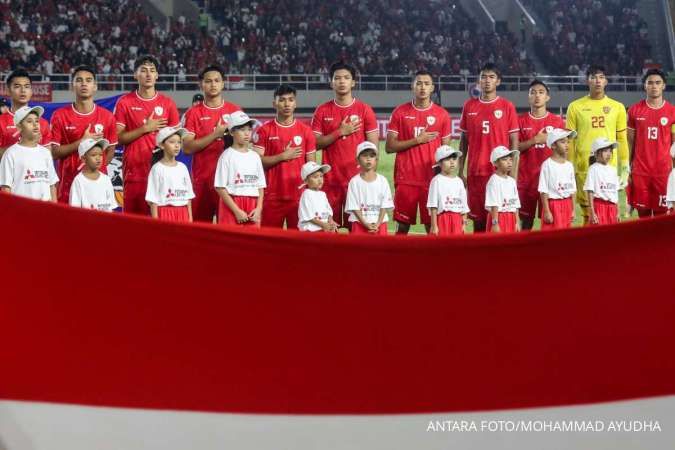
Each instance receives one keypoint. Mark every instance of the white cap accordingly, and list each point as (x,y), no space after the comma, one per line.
(309,168)
(602,142)
(672,151)
(22,112)
(239,118)
(166,132)
(365,145)
(500,152)
(558,133)
(445,151)
(88,144)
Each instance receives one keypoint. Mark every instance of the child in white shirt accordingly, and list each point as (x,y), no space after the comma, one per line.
(314,211)
(557,184)
(447,200)
(92,189)
(602,184)
(501,193)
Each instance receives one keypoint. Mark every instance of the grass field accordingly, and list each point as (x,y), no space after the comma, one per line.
(386,168)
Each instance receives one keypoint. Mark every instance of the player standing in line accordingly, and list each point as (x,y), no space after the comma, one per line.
(206,138)
(557,184)
(76,123)
(487,122)
(602,184)
(593,116)
(92,189)
(20,91)
(501,193)
(534,126)
(340,125)
(651,132)
(140,115)
(284,145)
(416,129)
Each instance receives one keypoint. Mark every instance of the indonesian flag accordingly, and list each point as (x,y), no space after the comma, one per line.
(122,332)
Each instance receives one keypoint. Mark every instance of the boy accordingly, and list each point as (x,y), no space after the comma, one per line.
(314,212)
(447,201)
(501,193)
(91,188)
(556,182)
(368,194)
(602,184)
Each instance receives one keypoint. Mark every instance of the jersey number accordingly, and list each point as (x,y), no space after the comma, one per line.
(486,127)
(652,133)
(598,121)
(418,130)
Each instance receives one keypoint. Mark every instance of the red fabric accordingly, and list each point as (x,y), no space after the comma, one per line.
(530,159)
(529,196)
(651,151)
(277,212)
(607,212)
(358,228)
(450,223)
(507,222)
(173,213)
(246,204)
(562,211)
(205,203)
(407,200)
(475,187)
(337,198)
(648,192)
(218,337)
(134,197)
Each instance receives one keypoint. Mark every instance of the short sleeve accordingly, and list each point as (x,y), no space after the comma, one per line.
(387,198)
(310,141)
(432,199)
(259,138)
(305,212)
(75,196)
(465,201)
(492,197)
(589,184)
(571,122)
(513,119)
(120,113)
(262,182)
(53,178)
(173,119)
(45,134)
(317,121)
(446,126)
(152,192)
(369,120)
(188,183)
(190,121)
(394,124)
(7,170)
(543,179)
(352,203)
(462,119)
(111,131)
(630,123)
(57,133)
(514,192)
(222,167)
(621,119)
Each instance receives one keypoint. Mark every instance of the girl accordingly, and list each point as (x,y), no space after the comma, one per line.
(314,212)
(27,168)
(91,188)
(447,201)
(602,183)
(169,191)
(557,184)
(368,194)
(240,179)
(501,194)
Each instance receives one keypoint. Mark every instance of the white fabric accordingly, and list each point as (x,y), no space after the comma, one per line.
(557,179)
(28,171)
(369,198)
(93,194)
(603,181)
(169,185)
(502,192)
(241,173)
(670,192)
(313,205)
(447,194)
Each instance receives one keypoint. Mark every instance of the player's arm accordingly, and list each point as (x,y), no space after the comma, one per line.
(290,153)
(539,138)
(359,217)
(346,128)
(394,145)
(630,137)
(60,151)
(464,148)
(373,137)
(192,145)
(513,143)
(571,124)
(150,126)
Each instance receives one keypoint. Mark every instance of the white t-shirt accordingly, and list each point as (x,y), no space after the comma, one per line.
(28,171)
(169,185)
(603,182)
(557,179)
(369,198)
(502,192)
(241,173)
(93,194)
(670,192)
(313,205)
(447,194)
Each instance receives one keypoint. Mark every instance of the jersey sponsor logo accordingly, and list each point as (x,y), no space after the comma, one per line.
(274,138)
(297,140)
(431,120)
(606,109)
(70,127)
(498,113)
(205,118)
(136,108)
(328,119)
(664,121)
(159,110)
(98,128)
(410,117)
(640,118)
(472,114)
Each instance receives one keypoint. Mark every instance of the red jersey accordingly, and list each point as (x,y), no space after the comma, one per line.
(201,120)
(68,126)
(653,138)
(131,112)
(9,134)
(341,154)
(414,165)
(487,125)
(531,159)
(284,178)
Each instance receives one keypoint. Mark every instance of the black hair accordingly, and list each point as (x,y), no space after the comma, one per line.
(595,69)
(85,68)
(146,59)
(18,73)
(341,65)
(536,82)
(284,89)
(157,155)
(423,72)
(654,71)
(211,68)
(491,67)
(197,98)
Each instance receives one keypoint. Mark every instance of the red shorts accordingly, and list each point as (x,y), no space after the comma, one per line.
(507,222)
(407,200)
(134,197)
(476,185)
(648,192)
(173,213)
(530,198)
(607,212)
(562,211)
(337,198)
(358,228)
(246,204)
(450,223)
(205,203)
(278,211)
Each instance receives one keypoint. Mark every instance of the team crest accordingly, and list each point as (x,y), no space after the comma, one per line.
(606,109)
(159,110)
(226,118)
(354,118)
(255,138)
(297,140)
(431,120)
(664,121)
(98,128)
(498,113)
(549,128)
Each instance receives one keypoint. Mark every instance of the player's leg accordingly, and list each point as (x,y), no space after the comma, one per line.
(476,196)
(528,206)
(582,199)
(422,197)
(273,213)
(134,197)
(658,189)
(291,214)
(639,197)
(405,208)
(202,210)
